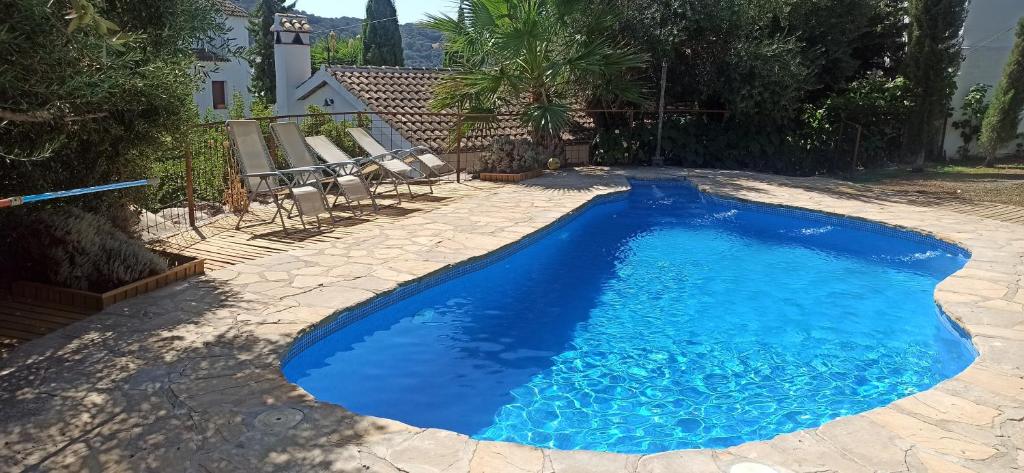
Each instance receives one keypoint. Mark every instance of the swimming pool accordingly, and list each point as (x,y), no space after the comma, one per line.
(661,320)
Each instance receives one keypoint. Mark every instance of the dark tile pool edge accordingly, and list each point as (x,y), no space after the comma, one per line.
(349,315)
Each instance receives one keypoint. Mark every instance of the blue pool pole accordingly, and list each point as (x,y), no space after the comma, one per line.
(27,199)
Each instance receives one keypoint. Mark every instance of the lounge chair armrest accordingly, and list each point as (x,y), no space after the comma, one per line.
(262,174)
(383,157)
(300,176)
(300,170)
(342,166)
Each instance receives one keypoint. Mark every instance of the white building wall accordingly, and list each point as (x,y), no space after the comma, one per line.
(988,38)
(345,102)
(235,72)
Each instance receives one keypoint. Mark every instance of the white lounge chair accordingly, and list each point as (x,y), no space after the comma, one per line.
(422,158)
(383,166)
(419,157)
(261,178)
(337,177)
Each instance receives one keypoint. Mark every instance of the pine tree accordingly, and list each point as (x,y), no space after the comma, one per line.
(261,53)
(932,62)
(382,41)
(1003,116)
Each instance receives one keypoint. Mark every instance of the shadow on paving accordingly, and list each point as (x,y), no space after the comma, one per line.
(733,181)
(184,379)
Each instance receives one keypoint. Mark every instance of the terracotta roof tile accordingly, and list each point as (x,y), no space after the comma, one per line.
(230,8)
(407,92)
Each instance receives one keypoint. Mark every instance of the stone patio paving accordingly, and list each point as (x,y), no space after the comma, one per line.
(188,378)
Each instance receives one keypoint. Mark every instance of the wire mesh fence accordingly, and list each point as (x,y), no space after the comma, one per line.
(202,184)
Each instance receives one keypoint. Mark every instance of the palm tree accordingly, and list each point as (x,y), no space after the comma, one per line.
(536,58)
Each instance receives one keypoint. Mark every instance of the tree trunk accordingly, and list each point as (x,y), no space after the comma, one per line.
(919,162)
(990,160)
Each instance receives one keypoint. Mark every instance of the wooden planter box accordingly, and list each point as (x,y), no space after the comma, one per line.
(497,177)
(182,267)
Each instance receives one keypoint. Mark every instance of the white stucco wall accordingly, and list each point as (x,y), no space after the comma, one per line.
(323,87)
(235,72)
(988,39)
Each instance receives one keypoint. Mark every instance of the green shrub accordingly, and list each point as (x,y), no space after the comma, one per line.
(334,130)
(1002,118)
(78,250)
(508,155)
(110,106)
(972,113)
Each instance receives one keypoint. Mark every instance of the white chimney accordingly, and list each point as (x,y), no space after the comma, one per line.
(291,58)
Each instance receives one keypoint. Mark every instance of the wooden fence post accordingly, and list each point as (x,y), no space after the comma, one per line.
(458,149)
(856,149)
(190,197)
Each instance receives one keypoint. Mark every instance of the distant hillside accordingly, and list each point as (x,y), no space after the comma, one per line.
(418,43)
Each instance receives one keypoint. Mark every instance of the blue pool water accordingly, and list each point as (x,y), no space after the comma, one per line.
(653,322)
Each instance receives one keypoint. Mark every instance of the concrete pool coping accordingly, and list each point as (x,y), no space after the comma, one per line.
(188,378)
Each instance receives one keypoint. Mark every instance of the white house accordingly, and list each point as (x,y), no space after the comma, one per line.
(397,99)
(224,73)
(298,87)
(988,38)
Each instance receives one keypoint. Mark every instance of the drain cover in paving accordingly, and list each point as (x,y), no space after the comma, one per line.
(279,419)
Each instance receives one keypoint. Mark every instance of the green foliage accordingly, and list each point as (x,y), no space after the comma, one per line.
(205,139)
(1003,117)
(931,65)
(261,52)
(512,156)
(346,52)
(236,110)
(334,130)
(75,249)
(417,42)
(820,140)
(552,54)
(79,112)
(382,39)
(421,47)
(787,71)
(878,105)
(972,113)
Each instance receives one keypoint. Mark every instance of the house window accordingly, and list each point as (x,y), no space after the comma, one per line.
(220,101)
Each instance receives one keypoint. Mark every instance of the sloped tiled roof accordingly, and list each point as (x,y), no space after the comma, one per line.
(231,8)
(404,94)
(205,55)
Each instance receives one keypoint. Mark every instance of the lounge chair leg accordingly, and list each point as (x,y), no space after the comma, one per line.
(248,204)
(277,203)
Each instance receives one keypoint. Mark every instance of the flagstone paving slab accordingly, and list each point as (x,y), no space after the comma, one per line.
(188,378)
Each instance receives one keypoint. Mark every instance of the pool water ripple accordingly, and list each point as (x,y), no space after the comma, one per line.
(656,322)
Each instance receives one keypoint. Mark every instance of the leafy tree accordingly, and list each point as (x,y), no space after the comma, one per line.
(344,52)
(261,53)
(931,65)
(1002,119)
(550,54)
(882,47)
(972,113)
(87,107)
(93,105)
(382,40)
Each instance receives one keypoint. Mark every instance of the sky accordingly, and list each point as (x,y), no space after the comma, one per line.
(409,11)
